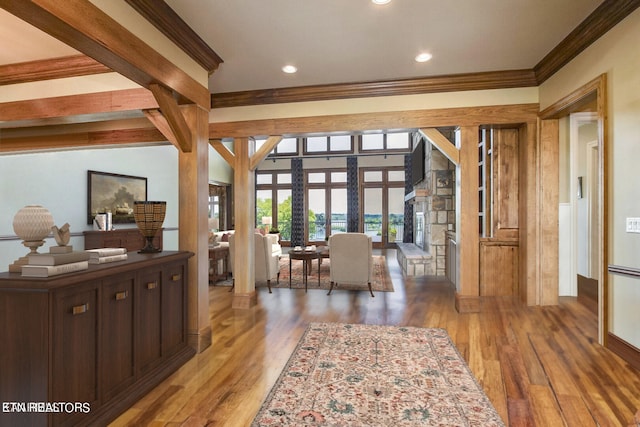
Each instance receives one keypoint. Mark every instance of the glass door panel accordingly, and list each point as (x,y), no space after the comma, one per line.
(395,215)
(372,218)
(316,208)
(283,222)
(338,220)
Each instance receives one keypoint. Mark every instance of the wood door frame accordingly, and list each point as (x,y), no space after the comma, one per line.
(594,90)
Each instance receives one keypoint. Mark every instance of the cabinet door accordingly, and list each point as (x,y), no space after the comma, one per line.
(147,336)
(116,351)
(75,332)
(174,298)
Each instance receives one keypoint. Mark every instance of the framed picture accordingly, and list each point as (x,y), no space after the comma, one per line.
(110,192)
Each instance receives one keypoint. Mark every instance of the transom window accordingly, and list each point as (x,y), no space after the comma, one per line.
(397,141)
(286,147)
(328,144)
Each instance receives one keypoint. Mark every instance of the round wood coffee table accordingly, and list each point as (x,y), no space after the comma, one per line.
(306,257)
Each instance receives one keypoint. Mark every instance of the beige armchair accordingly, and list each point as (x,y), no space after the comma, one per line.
(351,260)
(266,258)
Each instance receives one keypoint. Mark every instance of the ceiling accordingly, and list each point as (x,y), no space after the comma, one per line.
(343,41)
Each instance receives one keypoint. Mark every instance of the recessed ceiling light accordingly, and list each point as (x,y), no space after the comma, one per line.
(289,69)
(380,1)
(423,57)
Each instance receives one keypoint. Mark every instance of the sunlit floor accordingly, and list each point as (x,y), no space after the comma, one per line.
(538,365)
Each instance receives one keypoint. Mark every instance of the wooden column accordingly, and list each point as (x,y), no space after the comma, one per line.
(244,205)
(468,291)
(193,197)
(529,202)
(548,188)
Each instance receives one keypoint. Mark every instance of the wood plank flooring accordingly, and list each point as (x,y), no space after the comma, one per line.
(540,366)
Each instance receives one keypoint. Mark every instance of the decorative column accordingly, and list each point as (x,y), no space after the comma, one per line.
(244,203)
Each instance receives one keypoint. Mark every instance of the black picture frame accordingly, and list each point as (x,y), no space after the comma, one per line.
(115,193)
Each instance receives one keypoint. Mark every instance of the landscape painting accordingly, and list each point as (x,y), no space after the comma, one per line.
(114,193)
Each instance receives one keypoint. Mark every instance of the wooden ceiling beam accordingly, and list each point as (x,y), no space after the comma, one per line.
(410,119)
(79,140)
(86,28)
(48,69)
(71,105)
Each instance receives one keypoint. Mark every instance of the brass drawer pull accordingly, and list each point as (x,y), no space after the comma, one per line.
(121,295)
(176,277)
(152,285)
(80,309)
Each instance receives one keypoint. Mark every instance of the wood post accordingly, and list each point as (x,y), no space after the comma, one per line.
(244,204)
(468,292)
(193,229)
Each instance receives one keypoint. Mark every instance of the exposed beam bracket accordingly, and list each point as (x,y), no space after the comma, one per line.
(438,140)
(222,149)
(160,122)
(174,118)
(263,151)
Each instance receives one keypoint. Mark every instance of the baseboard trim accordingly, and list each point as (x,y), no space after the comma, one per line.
(627,351)
(244,301)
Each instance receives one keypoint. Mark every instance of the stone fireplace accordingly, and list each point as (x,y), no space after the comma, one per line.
(433,202)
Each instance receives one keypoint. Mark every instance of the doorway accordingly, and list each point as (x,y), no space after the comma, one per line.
(585,108)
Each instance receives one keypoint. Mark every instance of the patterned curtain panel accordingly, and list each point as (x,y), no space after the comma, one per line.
(352,194)
(407,236)
(297,202)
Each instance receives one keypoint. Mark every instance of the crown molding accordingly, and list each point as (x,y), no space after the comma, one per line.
(446,83)
(169,23)
(601,20)
(47,69)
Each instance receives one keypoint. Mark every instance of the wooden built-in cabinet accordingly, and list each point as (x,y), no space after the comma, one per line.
(102,337)
(128,238)
(498,204)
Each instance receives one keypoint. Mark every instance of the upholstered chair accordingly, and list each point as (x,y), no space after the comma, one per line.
(266,259)
(351,259)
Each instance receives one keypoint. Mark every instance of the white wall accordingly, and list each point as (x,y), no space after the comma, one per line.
(58,181)
(617,55)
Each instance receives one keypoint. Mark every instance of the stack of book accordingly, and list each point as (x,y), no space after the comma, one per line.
(104,255)
(59,260)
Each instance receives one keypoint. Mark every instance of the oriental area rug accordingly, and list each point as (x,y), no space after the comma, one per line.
(381,281)
(363,375)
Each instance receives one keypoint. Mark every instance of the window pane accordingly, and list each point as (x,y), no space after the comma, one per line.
(338,210)
(373,213)
(316,215)
(340,143)
(316,144)
(398,140)
(287,145)
(264,178)
(263,205)
(396,214)
(373,141)
(396,176)
(284,178)
(316,177)
(259,143)
(338,177)
(373,176)
(284,214)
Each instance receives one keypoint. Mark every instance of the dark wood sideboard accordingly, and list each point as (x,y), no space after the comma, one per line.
(101,337)
(129,238)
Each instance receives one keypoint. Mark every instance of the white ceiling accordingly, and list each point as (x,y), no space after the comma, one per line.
(340,41)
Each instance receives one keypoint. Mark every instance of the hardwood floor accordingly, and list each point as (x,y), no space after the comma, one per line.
(540,366)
